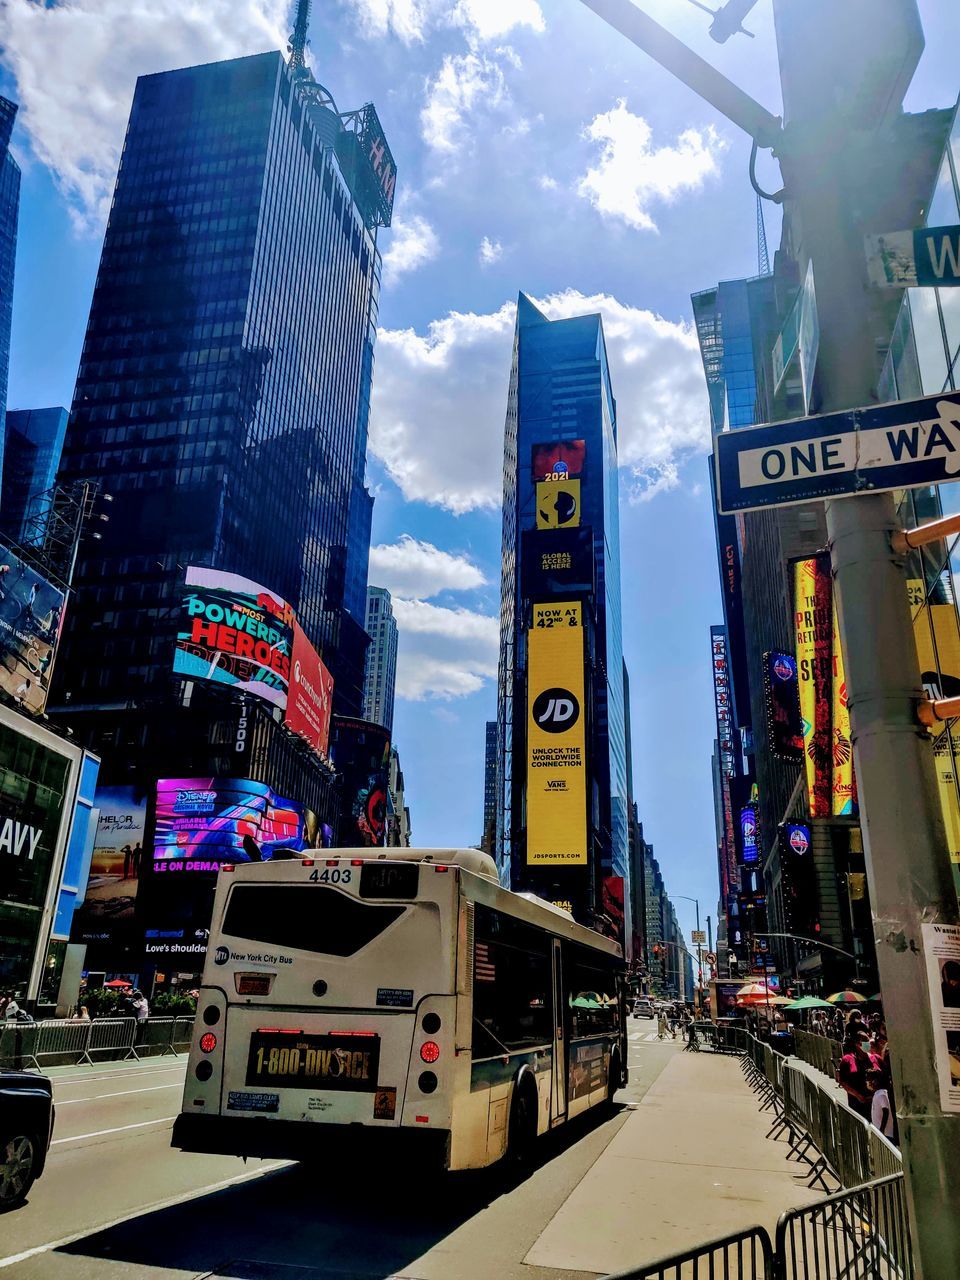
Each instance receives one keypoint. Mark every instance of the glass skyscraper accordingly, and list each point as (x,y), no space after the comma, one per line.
(33,443)
(561,544)
(9,209)
(380,678)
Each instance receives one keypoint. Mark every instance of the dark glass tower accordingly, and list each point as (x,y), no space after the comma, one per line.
(9,209)
(222,401)
(33,443)
(561,544)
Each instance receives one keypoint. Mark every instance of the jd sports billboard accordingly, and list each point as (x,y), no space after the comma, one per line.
(556,739)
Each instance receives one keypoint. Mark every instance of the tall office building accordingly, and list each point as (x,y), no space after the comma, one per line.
(380,676)
(562,793)
(9,210)
(222,399)
(31,456)
(489,838)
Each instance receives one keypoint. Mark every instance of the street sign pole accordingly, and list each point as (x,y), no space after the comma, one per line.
(907,866)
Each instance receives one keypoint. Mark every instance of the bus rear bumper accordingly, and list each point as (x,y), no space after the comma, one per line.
(298,1140)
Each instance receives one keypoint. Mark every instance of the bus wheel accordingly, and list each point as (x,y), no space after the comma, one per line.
(523,1125)
(613,1080)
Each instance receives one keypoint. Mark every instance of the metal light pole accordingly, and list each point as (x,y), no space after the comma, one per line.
(845,67)
(699,1000)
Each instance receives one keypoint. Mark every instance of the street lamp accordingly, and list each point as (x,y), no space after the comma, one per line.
(699,944)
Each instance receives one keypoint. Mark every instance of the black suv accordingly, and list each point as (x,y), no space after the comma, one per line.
(26,1125)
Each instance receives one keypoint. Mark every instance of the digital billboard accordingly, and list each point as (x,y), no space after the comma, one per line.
(360,751)
(310,695)
(558,460)
(558,504)
(234,632)
(116,865)
(813,631)
(31,615)
(750,834)
(782,694)
(937,634)
(844,787)
(613,907)
(722,699)
(555,562)
(556,739)
(202,822)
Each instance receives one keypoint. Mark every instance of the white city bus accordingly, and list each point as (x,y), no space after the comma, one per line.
(401,997)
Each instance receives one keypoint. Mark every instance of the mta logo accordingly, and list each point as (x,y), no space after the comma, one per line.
(556,710)
(221,955)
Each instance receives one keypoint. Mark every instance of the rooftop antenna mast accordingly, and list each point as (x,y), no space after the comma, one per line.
(297,42)
(763,256)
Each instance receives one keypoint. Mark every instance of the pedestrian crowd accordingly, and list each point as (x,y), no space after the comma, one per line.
(864,1071)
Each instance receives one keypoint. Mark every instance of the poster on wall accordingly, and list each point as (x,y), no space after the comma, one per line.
(116,865)
(31,618)
(234,632)
(556,741)
(558,460)
(941,948)
(310,695)
(360,751)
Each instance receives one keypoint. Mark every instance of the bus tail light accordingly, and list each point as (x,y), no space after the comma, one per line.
(306,862)
(429,1051)
(439,867)
(208,1042)
(227,866)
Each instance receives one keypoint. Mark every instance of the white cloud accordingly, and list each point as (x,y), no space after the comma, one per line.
(440,398)
(632,174)
(546,183)
(76,64)
(443,653)
(465,83)
(490,251)
(414,570)
(412,20)
(413,243)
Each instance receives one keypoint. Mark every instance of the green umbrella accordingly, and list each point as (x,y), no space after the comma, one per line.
(808,1002)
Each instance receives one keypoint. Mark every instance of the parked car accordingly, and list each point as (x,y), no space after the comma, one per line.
(643,1009)
(26,1126)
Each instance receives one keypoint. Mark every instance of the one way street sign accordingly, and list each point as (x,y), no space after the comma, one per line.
(905,259)
(890,446)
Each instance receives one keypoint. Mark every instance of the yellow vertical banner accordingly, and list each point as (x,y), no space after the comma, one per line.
(936,630)
(556,737)
(843,785)
(804,575)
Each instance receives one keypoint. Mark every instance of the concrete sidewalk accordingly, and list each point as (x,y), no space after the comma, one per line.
(691,1163)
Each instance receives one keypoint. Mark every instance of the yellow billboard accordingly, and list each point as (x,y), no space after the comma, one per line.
(844,789)
(556,736)
(558,504)
(937,633)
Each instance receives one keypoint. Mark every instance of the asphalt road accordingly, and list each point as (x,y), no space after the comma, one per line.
(117,1203)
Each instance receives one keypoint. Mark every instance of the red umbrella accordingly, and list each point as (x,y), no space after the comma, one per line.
(118,982)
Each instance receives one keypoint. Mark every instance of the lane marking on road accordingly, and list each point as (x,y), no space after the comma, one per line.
(118,1075)
(154,1207)
(123,1093)
(122,1128)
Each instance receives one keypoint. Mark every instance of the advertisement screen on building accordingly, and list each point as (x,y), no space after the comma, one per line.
(310,696)
(937,633)
(828,752)
(34,780)
(726,747)
(556,741)
(202,822)
(750,834)
(558,504)
(31,615)
(116,866)
(557,561)
(234,632)
(360,751)
(613,908)
(782,695)
(558,460)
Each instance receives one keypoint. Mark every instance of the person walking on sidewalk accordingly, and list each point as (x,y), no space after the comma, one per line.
(853,1075)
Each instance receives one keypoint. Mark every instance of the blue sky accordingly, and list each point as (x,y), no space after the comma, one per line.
(537,151)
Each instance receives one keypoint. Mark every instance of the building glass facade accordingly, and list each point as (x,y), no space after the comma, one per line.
(9,212)
(380,676)
(31,457)
(560,398)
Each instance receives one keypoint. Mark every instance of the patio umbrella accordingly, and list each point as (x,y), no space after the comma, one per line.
(847,997)
(754,990)
(118,982)
(808,1002)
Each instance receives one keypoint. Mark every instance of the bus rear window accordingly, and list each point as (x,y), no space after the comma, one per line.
(305,918)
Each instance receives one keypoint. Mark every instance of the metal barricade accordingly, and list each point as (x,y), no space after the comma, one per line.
(182,1034)
(111,1036)
(748,1255)
(822,1052)
(885,1158)
(62,1041)
(18,1045)
(155,1035)
(857,1234)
